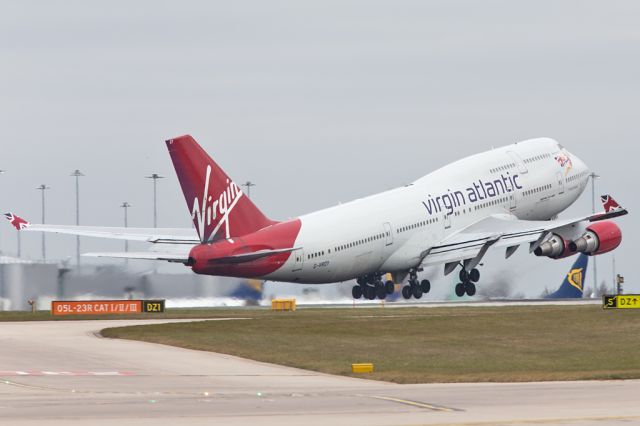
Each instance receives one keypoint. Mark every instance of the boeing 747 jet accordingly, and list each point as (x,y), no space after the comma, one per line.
(500,199)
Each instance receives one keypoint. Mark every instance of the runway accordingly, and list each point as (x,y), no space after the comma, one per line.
(63,373)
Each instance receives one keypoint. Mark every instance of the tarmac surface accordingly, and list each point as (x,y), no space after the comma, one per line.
(64,373)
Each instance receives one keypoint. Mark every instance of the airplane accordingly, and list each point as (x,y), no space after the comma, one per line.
(502,198)
(573,285)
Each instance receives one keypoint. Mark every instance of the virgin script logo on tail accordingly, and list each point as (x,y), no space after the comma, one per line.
(214,210)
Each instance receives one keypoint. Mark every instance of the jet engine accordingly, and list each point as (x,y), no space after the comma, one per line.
(599,238)
(555,247)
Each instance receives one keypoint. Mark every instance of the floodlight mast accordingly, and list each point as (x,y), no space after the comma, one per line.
(155,178)
(248,184)
(125,205)
(42,188)
(77,174)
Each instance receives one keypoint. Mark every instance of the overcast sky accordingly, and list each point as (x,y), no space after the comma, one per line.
(317,102)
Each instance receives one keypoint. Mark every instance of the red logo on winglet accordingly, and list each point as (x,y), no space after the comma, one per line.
(16,221)
(609,203)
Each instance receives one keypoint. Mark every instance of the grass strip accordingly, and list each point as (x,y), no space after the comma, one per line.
(418,345)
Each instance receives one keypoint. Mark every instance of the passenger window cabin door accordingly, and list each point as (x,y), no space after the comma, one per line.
(560,177)
(522,168)
(447,221)
(298,257)
(388,234)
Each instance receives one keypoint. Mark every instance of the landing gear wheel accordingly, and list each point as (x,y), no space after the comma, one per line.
(381,291)
(470,288)
(460,290)
(417,292)
(390,287)
(474,275)
(369,292)
(425,286)
(464,275)
(406,292)
(356,292)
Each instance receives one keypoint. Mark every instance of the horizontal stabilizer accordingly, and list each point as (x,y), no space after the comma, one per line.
(151,235)
(145,255)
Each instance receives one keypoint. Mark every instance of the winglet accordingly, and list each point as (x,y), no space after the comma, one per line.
(16,221)
(610,205)
(611,209)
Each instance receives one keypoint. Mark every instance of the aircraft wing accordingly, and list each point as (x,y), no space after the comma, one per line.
(507,231)
(151,235)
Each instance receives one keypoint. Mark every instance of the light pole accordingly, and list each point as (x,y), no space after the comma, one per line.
(77,174)
(126,206)
(594,176)
(42,188)
(248,184)
(155,178)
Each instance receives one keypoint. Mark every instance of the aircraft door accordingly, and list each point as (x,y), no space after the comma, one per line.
(298,258)
(447,221)
(560,177)
(522,168)
(388,233)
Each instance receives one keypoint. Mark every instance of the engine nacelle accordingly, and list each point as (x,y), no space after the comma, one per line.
(555,247)
(600,238)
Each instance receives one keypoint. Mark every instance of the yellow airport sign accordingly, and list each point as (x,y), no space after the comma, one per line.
(621,301)
(283,305)
(105,307)
(362,368)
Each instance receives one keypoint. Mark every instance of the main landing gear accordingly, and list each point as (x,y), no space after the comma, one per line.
(372,287)
(415,288)
(467,282)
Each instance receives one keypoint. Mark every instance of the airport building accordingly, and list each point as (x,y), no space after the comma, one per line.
(23,280)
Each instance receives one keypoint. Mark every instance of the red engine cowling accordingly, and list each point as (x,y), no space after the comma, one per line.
(600,238)
(555,247)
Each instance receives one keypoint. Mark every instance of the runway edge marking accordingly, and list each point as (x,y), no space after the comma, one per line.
(417,404)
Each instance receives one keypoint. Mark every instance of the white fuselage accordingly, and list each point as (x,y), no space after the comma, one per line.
(387,232)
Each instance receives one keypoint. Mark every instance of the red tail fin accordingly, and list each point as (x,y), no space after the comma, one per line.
(219,208)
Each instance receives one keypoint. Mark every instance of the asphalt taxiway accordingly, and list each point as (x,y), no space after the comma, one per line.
(65,373)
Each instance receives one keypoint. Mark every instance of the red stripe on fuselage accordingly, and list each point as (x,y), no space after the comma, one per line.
(279,236)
